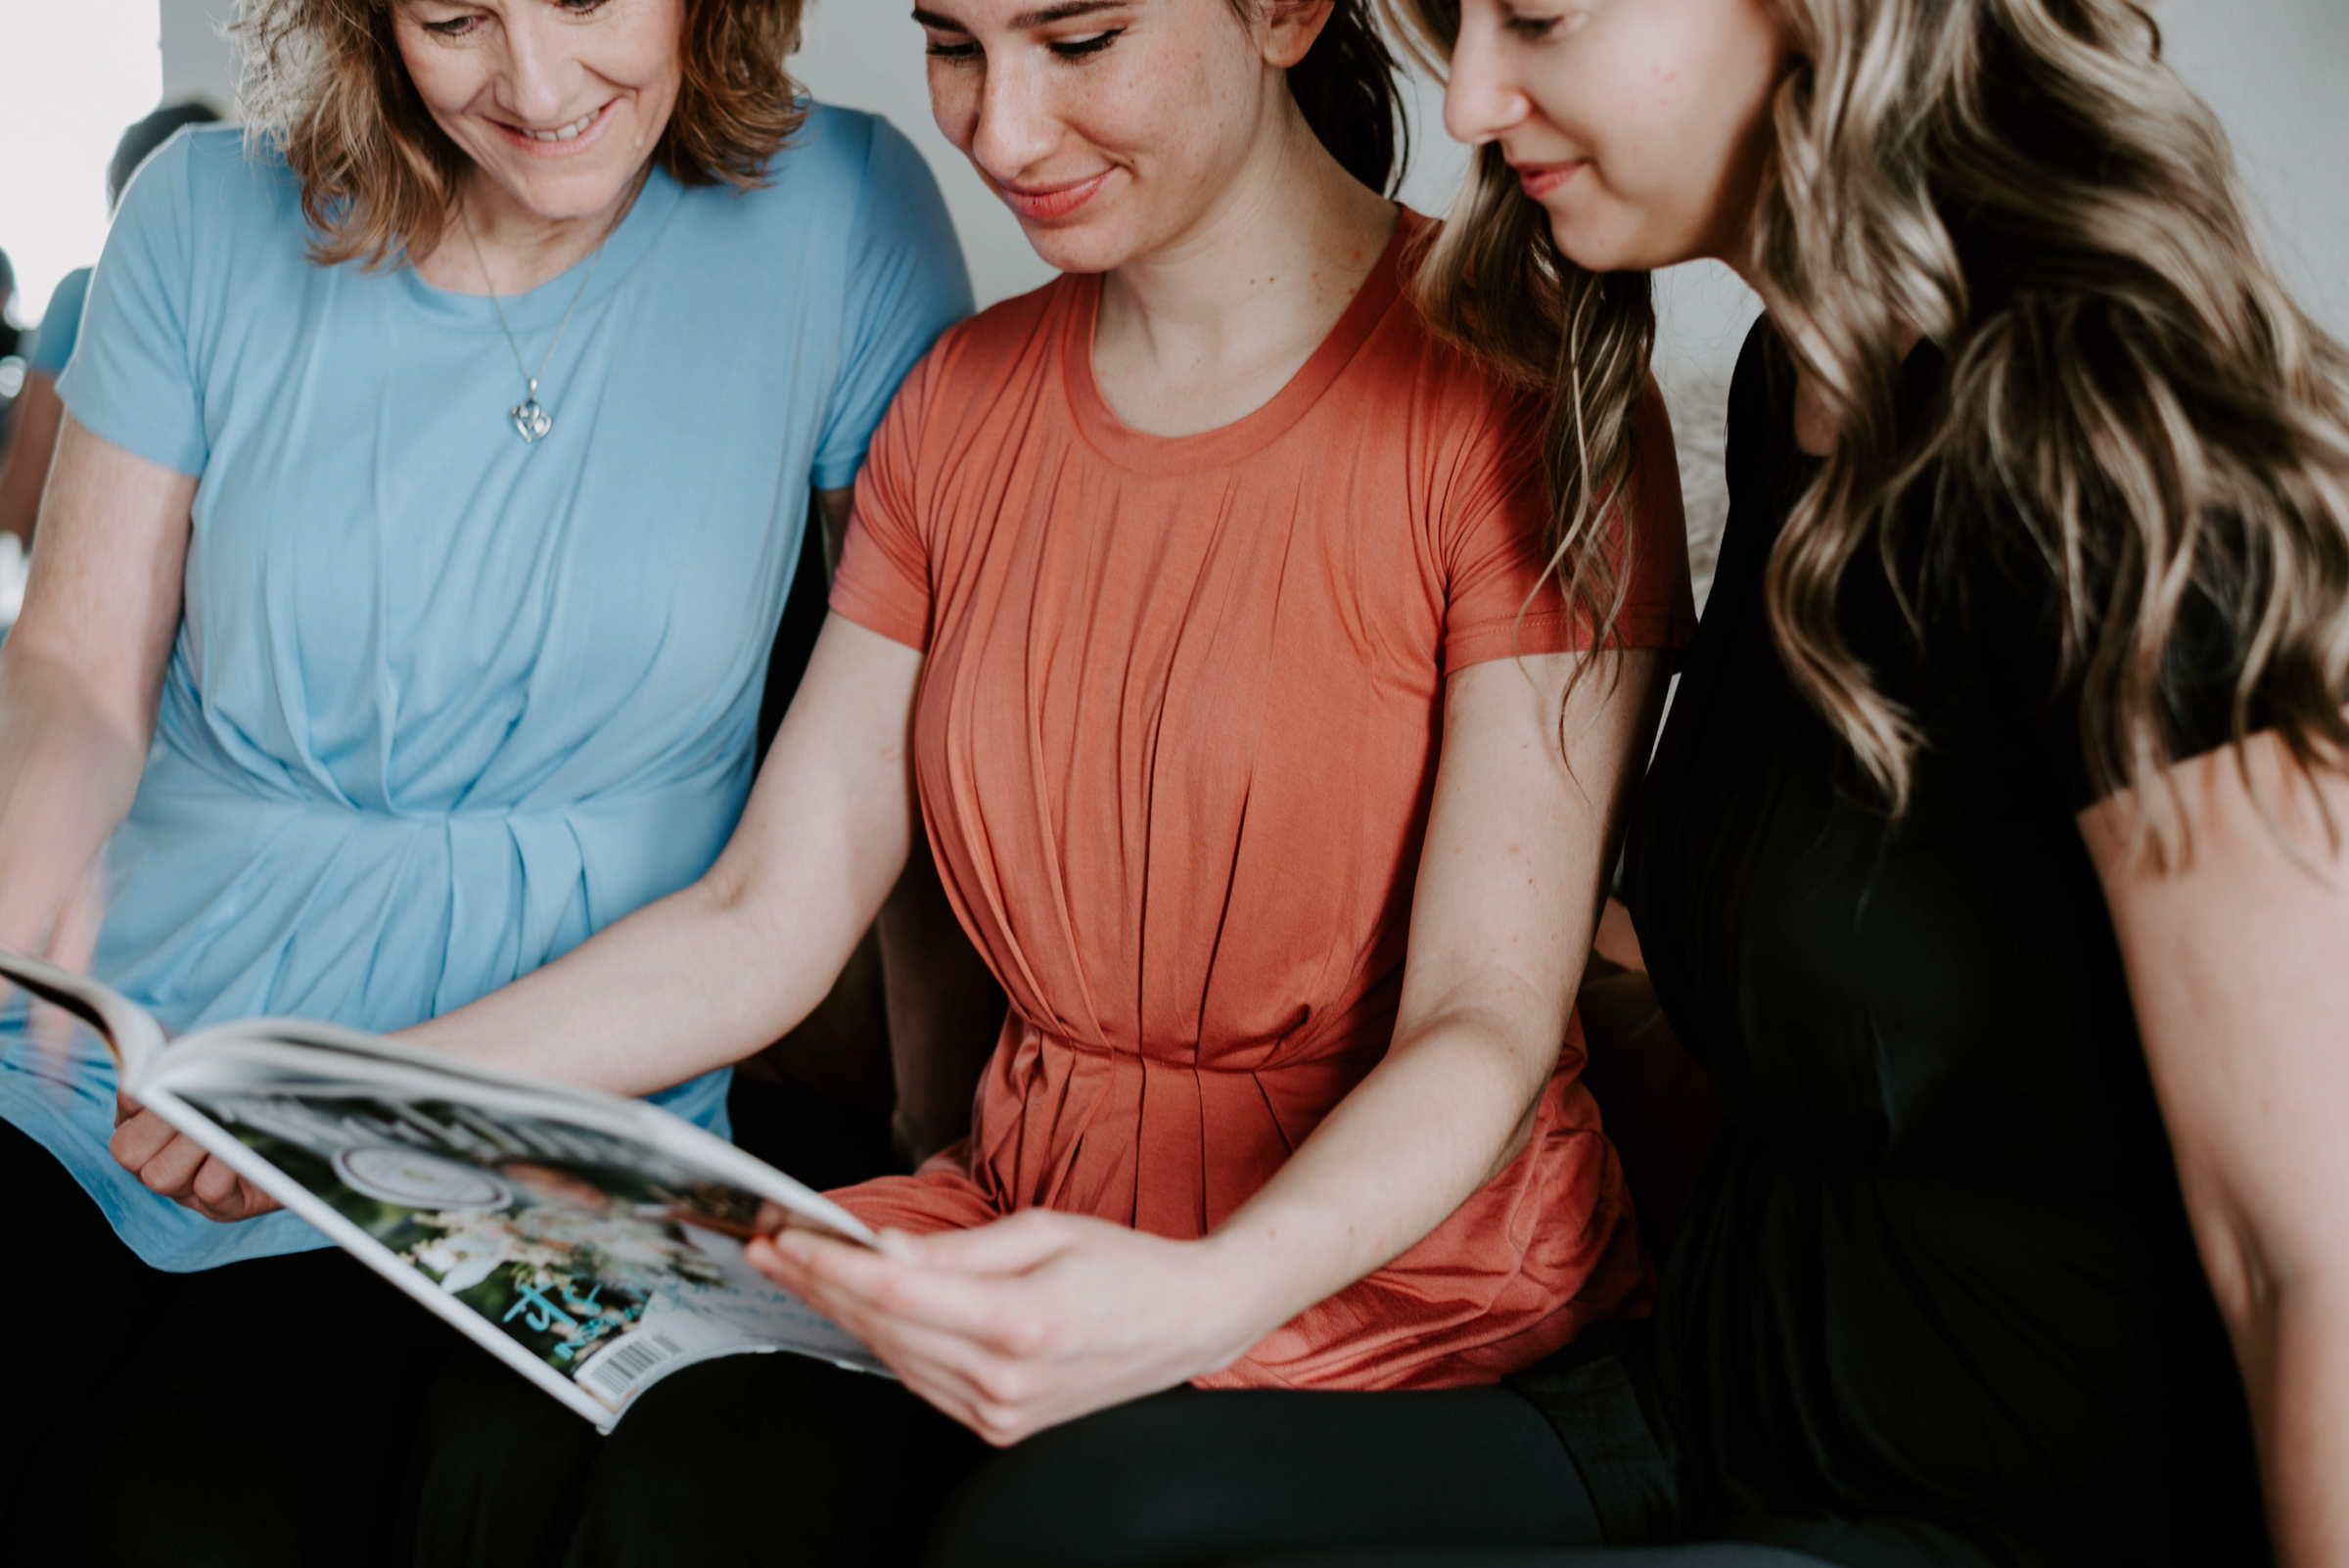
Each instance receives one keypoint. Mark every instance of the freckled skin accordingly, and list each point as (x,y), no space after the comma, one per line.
(1664,103)
(1173,112)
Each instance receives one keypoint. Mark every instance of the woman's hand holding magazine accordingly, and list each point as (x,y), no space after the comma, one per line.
(170,1162)
(594,1243)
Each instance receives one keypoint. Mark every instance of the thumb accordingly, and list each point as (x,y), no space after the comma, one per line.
(1010,1246)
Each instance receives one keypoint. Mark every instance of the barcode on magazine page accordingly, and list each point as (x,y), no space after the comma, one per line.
(622,1366)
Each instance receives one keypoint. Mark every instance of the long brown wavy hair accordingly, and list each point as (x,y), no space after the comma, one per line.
(324,79)
(1494,282)
(2135,405)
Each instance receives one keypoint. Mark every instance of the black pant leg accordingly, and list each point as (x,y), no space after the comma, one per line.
(1696,1555)
(1203,1477)
(496,1470)
(767,1459)
(82,1303)
(770,1460)
(262,1421)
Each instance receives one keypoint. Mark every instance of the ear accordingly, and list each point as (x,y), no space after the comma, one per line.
(1286,28)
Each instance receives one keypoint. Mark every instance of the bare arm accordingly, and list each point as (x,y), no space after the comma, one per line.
(39,413)
(2238,963)
(79,678)
(1021,1324)
(1518,851)
(945,1008)
(714,972)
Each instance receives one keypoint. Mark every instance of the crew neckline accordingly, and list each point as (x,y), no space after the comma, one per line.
(1254,430)
(548,302)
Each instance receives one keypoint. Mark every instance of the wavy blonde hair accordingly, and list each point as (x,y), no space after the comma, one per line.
(324,81)
(2135,406)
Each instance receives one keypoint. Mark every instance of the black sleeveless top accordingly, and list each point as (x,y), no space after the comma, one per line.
(1935,1301)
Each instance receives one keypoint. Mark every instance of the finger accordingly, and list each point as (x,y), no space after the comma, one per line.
(170,1170)
(140,1139)
(246,1202)
(1010,1246)
(833,1271)
(217,1185)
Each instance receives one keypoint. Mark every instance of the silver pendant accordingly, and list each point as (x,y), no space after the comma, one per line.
(530,421)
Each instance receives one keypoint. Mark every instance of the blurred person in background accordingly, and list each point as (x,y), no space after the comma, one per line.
(31,435)
(432,467)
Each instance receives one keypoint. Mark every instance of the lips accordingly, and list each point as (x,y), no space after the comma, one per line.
(1539,179)
(559,141)
(566,132)
(1045,203)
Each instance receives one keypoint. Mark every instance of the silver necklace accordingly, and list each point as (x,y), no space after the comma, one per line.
(531,419)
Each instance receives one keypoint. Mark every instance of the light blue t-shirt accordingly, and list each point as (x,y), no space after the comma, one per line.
(60,323)
(442,703)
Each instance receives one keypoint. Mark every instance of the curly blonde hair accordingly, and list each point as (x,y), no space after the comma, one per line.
(2134,404)
(324,81)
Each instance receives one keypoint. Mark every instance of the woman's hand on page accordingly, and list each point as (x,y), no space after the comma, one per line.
(1028,1322)
(167,1160)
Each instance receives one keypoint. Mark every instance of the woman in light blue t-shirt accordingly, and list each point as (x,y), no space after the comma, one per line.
(404,624)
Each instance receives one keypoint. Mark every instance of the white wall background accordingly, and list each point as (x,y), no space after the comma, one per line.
(2273,68)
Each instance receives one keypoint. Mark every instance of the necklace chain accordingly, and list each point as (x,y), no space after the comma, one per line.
(531,419)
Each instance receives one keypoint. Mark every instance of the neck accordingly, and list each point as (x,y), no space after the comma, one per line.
(519,249)
(1203,331)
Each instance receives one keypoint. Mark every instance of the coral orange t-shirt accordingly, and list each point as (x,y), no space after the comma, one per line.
(1175,741)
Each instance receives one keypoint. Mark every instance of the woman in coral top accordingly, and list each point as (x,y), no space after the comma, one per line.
(1202,605)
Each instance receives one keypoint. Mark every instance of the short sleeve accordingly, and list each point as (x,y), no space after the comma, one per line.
(1497,560)
(906,284)
(60,324)
(131,378)
(2015,626)
(884,582)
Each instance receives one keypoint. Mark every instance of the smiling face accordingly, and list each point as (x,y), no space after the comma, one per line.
(1641,127)
(559,103)
(1111,128)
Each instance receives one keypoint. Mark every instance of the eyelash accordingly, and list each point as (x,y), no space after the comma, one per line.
(1532,28)
(1066,48)
(462,26)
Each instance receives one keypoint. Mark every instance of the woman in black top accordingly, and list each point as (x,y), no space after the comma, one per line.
(1990,855)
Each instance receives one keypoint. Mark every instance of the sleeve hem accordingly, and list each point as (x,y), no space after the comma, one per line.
(181,457)
(1559,631)
(876,616)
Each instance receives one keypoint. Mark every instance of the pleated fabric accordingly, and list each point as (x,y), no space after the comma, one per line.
(1177,740)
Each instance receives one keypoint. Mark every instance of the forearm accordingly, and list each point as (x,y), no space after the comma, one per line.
(1441,1115)
(693,981)
(708,975)
(2296,1352)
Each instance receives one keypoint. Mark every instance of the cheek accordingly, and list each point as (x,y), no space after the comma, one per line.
(647,51)
(954,102)
(441,76)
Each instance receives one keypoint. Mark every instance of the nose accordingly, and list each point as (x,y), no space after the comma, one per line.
(1481,98)
(1015,129)
(536,73)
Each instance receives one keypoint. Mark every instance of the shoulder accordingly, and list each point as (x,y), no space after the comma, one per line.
(978,360)
(841,154)
(213,182)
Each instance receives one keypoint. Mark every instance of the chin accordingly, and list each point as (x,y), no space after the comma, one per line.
(1096,247)
(568,194)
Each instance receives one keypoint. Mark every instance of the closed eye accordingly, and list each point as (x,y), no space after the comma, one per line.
(1079,48)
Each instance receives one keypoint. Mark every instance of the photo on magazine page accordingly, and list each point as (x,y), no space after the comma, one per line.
(604,1260)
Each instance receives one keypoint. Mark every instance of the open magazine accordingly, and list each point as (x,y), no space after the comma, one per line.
(592,1243)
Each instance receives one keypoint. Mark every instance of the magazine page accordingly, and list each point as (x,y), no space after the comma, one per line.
(131,1034)
(547,1225)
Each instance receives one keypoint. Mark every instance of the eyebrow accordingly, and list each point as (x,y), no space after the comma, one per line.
(1044,17)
